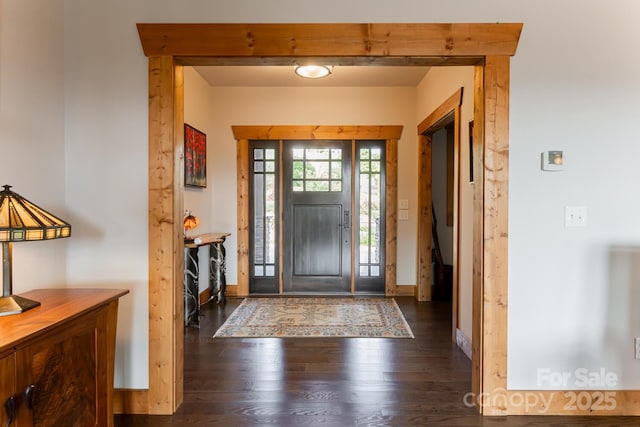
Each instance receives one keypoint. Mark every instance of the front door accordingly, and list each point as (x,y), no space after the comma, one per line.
(317,216)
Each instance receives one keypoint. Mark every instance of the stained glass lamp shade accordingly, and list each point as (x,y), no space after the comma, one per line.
(21,220)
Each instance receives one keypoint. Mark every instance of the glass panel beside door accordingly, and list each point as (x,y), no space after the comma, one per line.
(370,204)
(263,207)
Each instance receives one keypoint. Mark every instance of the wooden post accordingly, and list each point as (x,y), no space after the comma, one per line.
(165,236)
(495,232)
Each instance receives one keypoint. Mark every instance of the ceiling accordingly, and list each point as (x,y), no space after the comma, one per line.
(351,76)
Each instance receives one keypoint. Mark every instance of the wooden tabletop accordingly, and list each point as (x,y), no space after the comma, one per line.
(205,239)
(56,306)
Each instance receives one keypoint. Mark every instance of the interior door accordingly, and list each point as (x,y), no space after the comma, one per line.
(317,216)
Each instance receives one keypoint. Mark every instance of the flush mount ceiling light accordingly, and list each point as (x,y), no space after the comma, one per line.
(313,71)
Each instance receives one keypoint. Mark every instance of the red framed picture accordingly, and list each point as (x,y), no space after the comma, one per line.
(195,157)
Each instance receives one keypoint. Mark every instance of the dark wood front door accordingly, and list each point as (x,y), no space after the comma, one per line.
(317,216)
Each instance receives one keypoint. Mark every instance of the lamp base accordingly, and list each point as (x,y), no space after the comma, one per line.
(15,304)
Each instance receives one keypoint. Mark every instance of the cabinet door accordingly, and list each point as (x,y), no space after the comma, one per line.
(7,387)
(63,368)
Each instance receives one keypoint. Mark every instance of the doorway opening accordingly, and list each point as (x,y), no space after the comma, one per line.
(488,47)
(444,120)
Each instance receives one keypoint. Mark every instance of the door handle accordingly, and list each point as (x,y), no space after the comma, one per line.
(28,396)
(10,410)
(346,223)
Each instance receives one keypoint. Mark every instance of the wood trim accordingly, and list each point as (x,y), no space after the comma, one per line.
(423,288)
(437,119)
(332,40)
(368,61)
(204,296)
(573,402)
(127,401)
(391,220)
(165,235)
(405,290)
(495,231)
(478,232)
(316,132)
(326,42)
(455,285)
(243,217)
(178,238)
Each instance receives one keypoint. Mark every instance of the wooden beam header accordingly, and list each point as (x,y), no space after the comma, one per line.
(333,40)
(316,132)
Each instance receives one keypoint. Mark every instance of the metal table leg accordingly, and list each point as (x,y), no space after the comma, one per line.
(217,272)
(191,288)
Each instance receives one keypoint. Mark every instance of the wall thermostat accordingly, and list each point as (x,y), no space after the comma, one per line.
(553,161)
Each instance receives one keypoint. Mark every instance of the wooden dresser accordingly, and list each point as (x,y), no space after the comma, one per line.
(56,360)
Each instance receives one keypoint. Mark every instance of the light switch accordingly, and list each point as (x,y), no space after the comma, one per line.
(575,216)
(403,204)
(403,214)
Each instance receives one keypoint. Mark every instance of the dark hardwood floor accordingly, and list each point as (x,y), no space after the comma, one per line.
(334,382)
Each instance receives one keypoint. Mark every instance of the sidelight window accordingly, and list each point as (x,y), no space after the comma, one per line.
(370,200)
(264,211)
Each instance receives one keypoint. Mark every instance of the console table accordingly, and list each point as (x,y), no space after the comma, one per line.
(217,274)
(56,360)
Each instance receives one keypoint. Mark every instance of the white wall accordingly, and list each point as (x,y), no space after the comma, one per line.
(575,85)
(572,291)
(199,103)
(437,86)
(106,140)
(32,129)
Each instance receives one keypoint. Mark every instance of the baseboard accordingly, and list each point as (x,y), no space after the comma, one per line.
(204,296)
(231,291)
(128,401)
(569,402)
(405,290)
(463,342)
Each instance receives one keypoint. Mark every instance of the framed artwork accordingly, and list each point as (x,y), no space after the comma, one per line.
(195,157)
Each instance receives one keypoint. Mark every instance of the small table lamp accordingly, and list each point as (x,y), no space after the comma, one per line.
(21,220)
(190,222)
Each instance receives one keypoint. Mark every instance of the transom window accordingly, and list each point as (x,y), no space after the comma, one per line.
(317,169)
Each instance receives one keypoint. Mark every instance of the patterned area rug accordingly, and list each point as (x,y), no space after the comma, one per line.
(316,317)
